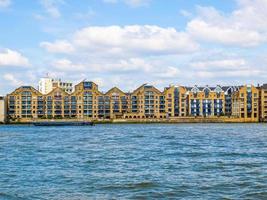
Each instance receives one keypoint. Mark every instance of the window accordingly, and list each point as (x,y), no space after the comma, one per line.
(87,85)
(206,91)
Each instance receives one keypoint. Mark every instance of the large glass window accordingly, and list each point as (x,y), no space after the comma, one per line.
(88,104)
(87,85)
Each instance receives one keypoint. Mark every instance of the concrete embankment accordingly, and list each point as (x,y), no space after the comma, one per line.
(181,120)
(144,121)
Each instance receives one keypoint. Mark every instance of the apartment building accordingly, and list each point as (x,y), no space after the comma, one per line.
(25,102)
(118,102)
(263,102)
(146,102)
(2,109)
(176,101)
(206,101)
(245,103)
(228,93)
(47,84)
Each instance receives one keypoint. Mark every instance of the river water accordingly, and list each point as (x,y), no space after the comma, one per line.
(154,161)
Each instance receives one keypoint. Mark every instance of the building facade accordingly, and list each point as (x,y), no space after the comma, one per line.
(176,101)
(2,109)
(146,102)
(206,101)
(245,103)
(47,84)
(86,102)
(118,103)
(25,103)
(228,93)
(263,102)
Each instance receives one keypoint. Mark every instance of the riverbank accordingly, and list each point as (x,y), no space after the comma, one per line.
(146,121)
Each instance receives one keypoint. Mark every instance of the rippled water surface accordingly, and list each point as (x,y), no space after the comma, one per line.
(205,161)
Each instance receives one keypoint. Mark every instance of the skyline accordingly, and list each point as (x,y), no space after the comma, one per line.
(111,87)
(107,41)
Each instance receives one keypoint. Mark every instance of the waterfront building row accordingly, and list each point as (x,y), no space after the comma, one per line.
(146,102)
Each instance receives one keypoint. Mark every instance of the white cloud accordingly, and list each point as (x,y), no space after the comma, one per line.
(67,65)
(12,58)
(123,65)
(110,1)
(5,3)
(251,15)
(135,39)
(229,74)
(38,17)
(85,15)
(168,72)
(51,7)
(132,3)
(137,66)
(244,27)
(115,50)
(59,46)
(12,80)
(220,64)
(224,35)
(225,68)
(147,53)
(185,13)
(137,3)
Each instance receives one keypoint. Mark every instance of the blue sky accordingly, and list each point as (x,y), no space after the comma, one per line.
(126,43)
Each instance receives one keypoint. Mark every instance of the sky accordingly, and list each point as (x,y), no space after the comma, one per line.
(126,43)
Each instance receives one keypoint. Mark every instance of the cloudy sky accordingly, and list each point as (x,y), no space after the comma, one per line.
(126,43)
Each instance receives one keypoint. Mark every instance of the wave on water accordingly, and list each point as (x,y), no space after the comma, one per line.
(128,186)
(5,196)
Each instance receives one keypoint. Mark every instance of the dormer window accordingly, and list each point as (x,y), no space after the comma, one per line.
(206,92)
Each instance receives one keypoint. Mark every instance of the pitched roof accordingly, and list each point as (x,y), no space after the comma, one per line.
(264,86)
(26,87)
(115,88)
(57,88)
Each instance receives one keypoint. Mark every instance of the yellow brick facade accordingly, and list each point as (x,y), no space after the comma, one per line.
(87,98)
(25,102)
(263,103)
(245,103)
(206,101)
(57,104)
(146,102)
(118,102)
(2,109)
(176,101)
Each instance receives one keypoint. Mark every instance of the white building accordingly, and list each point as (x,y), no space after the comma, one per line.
(47,84)
(2,109)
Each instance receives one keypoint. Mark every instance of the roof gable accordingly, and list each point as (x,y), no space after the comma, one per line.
(115,90)
(25,88)
(57,89)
